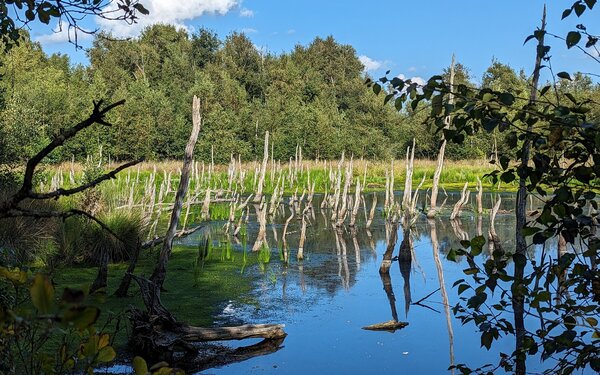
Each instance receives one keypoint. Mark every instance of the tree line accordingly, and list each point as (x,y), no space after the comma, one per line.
(314,96)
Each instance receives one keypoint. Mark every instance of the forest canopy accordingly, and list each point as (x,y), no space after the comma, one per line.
(313,96)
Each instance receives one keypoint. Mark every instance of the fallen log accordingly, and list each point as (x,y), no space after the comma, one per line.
(247,331)
(160,336)
(390,326)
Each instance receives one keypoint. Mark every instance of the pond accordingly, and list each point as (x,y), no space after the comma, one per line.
(326,299)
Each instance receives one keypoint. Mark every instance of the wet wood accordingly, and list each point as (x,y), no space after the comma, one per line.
(390,326)
(161,336)
(248,331)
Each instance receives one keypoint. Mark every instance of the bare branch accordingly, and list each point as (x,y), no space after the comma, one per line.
(26,189)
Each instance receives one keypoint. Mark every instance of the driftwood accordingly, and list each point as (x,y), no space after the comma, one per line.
(390,326)
(160,337)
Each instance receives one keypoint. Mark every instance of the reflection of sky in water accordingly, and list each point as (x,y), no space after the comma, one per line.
(326,299)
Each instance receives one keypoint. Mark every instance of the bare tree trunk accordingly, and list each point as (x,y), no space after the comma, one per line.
(492,236)
(284,235)
(356,203)
(372,212)
(263,170)
(521,210)
(262,231)
(159,274)
(410,160)
(300,255)
(479,197)
(464,198)
(205,213)
(440,160)
(126,280)
(102,277)
(341,216)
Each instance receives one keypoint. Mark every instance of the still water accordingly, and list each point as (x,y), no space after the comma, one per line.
(326,299)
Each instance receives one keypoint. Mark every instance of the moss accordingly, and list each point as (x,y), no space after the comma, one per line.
(194,292)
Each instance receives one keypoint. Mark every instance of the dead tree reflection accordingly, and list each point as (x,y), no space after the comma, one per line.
(444,293)
(405,264)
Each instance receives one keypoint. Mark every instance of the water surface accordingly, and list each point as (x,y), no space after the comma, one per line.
(327,298)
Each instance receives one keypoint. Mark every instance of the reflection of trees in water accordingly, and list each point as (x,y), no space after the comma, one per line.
(334,258)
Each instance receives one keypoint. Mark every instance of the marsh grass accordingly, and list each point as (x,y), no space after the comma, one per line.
(454,175)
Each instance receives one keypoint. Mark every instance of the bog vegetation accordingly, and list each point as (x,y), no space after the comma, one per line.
(287,126)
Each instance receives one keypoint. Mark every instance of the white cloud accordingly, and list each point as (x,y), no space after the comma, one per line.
(248,30)
(61,35)
(167,12)
(244,12)
(416,79)
(369,63)
(291,31)
(412,69)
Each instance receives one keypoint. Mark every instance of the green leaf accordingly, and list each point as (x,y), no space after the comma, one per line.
(44,16)
(507,98)
(573,37)
(486,339)
(564,75)
(592,321)
(376,88)
(139,366)
(579,9)
(477,245)
(398,104)
(451,255)
(388,97)
(42,294)
(533,36)
(566,13)
(140,8)
(106,354)
(590,3)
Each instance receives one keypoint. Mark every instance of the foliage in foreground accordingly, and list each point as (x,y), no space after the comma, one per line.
(550,304)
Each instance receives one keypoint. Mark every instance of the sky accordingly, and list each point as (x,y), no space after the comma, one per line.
(409,38)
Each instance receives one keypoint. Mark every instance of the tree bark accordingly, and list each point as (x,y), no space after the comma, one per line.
(263,170)
(160,271)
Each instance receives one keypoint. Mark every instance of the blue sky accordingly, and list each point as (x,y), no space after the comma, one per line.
(414,38)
